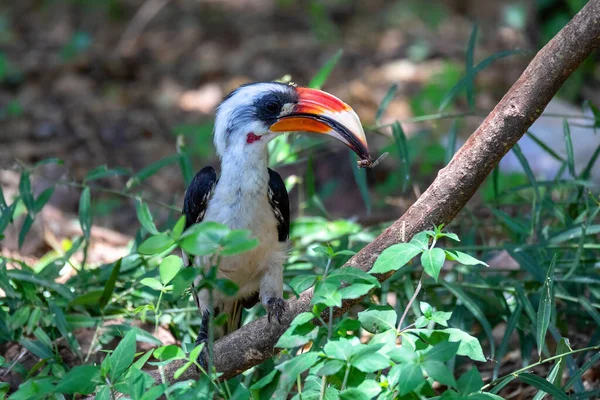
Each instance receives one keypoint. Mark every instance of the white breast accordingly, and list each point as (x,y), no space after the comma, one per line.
(248,208)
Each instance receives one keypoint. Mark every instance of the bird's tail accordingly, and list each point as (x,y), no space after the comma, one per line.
(234,320)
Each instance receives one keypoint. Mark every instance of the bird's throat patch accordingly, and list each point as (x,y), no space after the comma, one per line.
(251,138)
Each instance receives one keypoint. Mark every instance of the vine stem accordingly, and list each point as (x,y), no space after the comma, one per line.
(524,369)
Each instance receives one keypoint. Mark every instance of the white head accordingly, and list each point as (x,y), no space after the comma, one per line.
(253,114)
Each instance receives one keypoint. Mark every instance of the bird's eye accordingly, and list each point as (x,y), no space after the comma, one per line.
(272,107)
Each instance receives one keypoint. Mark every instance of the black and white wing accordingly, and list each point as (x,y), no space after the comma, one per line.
(280,203)
(197,197)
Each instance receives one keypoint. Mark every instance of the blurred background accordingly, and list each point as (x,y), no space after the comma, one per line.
(127,83)
(119,96)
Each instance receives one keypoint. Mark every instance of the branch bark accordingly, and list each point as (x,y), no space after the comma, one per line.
(447,195)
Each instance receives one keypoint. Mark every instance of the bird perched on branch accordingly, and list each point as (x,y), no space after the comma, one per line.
(249,195)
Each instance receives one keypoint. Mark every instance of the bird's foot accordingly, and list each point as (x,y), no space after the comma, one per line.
(275,308)
(203,356)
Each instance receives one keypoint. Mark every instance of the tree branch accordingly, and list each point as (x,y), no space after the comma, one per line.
(448,194)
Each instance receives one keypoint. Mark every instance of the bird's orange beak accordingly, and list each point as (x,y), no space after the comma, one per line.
(320,112)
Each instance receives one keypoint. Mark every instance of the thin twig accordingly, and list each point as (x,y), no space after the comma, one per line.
(410,302)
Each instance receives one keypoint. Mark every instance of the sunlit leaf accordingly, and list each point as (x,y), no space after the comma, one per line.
(544,385)
(395,257)
(169,267)
(378,318)
(545,307)
(433,261)
(85,215)
(122,357)
(81,379)
(145,217)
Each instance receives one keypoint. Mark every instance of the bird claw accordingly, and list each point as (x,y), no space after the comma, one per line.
(203,356)
(275,307)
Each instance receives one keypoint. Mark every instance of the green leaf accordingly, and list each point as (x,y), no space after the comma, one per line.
(227,287)
(551,377)
(26,276)
(26,193)
(145,217)
(472,73)
(169,267)
(327,293)
(330,367)
(352,275)
(302,282)
(545,307)
(3,204)
(264,381)
(152,283)
(81,379)
(579,372)
(378,318)
(410,377)
(87,299)
(402,147)
(19,318)
(170,352)
(150,170)
(302,319)
(341,349)
(7,214)
(353,394)
(321,76)
(51,160)
(463,258)
(43,198)
(433,261)
(85,216)
(469,66)
(389,96)
(291,369)
(470,382)
(370,362)
(569,148)
(545,147)
(360,177)
(102,172)
(543,384)
(37,348)
(451,146)
(156,244)
(237,242)
(510,327)
(442,352)
(122,357)
(395,257)
(439,372)
(140,362)
(474,309)
(527,169)
(203,239)
(178,228)
(27,223)
(421,240)
(469,345)
(61,324)
(109,287)
(585,173)
(356,290)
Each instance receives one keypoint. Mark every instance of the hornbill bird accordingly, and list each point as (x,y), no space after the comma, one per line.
(249,195)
